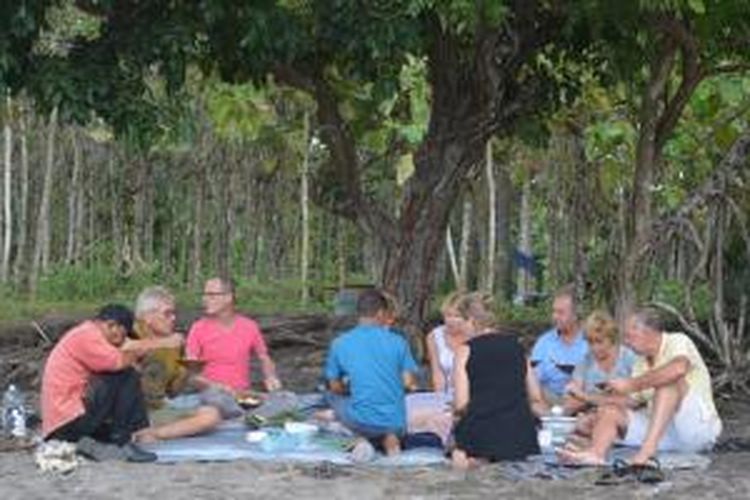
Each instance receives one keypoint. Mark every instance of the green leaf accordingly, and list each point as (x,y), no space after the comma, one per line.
(697,6)
(404,169)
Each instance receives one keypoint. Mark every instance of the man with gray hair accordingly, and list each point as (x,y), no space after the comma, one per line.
(161,373)
(668,400)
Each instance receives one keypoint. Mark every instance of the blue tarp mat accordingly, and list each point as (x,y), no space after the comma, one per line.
(228,443)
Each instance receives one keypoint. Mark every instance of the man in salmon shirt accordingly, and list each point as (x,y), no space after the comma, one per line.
(91,394)
(225,340)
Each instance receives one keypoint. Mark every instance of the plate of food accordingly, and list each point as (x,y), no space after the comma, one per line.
(192,365)
(249,400)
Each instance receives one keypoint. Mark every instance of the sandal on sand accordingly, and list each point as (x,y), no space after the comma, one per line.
(621,472)
(650,472)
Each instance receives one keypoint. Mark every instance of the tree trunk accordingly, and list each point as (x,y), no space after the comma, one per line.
(149,221)
(523,286)
(341,252)
(82,236)
(140,208)
(504,257)
(658,116)
(473,98)
(74,193)
(464,247)
(581,213)
(200,200)
(116,212)
(20,264)
(305,211)
(451,255)
(40,259)
(489,282)
(223,214)
(7,216)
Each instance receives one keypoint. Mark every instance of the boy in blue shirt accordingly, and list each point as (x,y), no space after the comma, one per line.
(367,370)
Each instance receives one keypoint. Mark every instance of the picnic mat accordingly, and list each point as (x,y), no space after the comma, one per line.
(228,443)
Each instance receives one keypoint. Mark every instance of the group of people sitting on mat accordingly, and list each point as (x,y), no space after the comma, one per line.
(651,390)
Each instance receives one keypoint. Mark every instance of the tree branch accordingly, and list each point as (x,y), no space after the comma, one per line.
(351,202)
(730,170)
(690,326)
(692,75)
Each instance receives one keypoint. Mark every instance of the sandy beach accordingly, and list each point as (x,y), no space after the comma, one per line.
(726,477)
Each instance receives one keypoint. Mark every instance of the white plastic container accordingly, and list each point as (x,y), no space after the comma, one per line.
(559,428)
(303,431)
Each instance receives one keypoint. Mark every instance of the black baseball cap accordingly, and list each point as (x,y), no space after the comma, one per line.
(119,314)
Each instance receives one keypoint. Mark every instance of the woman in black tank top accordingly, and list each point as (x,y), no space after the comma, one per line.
(491,396)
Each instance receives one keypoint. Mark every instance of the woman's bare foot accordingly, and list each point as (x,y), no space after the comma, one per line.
(460,460)
(582,457)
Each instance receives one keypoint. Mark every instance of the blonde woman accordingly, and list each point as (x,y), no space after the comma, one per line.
(607,359)
(442,343)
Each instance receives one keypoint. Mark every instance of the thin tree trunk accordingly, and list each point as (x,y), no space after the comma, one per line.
(7,216)
(139,209)
(581,219)
(305,209)
(554,183)
(452,255)
(503,223)
(341,251)
(223,204)
(116,212)
(149,221)
(489,282)
(200,201)
(81,238)
(40,260)
(524,245)
(19,267)
(74,194)
(463,262)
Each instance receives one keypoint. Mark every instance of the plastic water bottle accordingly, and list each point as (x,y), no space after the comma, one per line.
(14,412)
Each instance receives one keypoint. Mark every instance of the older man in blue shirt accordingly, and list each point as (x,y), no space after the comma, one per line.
(557,352)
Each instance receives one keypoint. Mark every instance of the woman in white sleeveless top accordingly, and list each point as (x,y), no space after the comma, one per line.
(441,344)
(431,411)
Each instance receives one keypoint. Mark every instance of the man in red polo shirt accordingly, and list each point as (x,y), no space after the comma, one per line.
(226,340)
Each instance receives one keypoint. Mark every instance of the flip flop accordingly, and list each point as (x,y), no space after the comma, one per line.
(621,472)
(649,472)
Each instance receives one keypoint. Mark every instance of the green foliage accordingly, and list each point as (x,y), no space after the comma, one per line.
(673,292)
(20,25)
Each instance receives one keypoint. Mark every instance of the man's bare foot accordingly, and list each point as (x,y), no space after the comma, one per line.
(391,445)
(325,415)
(147,435)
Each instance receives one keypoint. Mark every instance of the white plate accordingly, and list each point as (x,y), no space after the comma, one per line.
(255,436)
